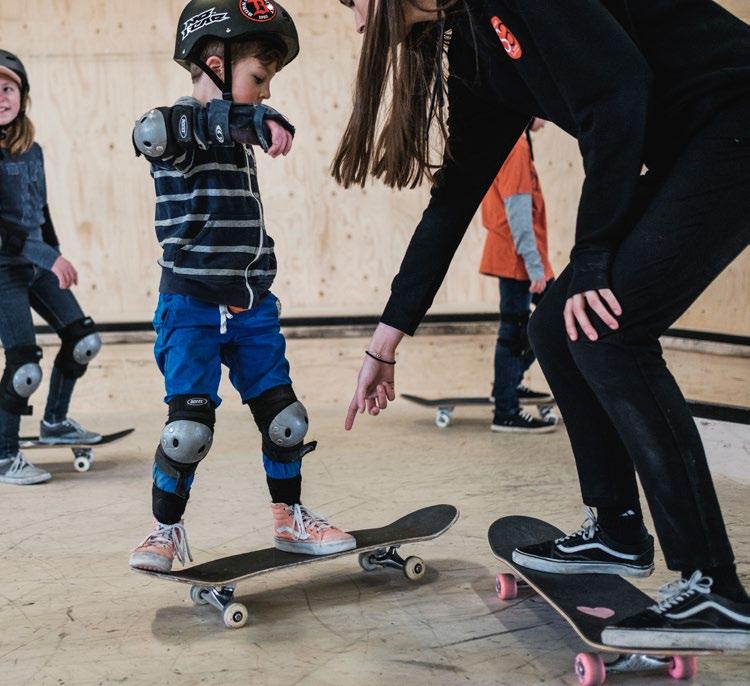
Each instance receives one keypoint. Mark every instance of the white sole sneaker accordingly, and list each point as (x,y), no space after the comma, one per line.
(150,562)
(303,548)
(27,480)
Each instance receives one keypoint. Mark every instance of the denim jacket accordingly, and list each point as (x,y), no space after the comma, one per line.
(23,203)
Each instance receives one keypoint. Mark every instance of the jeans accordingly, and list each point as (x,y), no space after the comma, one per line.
(513,356)
(622,407)
(22,287)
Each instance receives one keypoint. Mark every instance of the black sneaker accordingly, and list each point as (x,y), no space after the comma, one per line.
(521,422)
(528,397)
(588,551)
(689,616)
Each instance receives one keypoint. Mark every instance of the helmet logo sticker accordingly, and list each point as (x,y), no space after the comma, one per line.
(509,41)
(258,10)
(199,21)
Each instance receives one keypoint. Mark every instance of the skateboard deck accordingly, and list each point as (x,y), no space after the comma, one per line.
(588,602)
(83,453)
(214,582)
(446,406)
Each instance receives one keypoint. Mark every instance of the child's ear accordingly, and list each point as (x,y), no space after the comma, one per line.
(216,65)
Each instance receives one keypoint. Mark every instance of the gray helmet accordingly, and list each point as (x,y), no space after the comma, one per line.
(232,21)
(10,62)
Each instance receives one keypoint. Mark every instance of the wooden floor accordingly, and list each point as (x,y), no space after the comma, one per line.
(72,613)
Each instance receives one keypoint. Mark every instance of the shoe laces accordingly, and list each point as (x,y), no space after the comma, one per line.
(73,424)
(175,535)
(19,464)
(523,414)
(587,530)
(676,592)
(305,519)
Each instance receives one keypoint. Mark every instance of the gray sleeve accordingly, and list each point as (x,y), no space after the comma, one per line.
(39,253)
(518,209)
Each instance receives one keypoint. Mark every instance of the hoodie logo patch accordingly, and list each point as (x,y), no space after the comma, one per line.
(509,41)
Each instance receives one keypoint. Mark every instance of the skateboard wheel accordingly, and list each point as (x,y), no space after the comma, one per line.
(683,667)
(82,460)
(196,595)
(235,615)
(590,669)
(506,586)
(367,562)
(443,419)
(414,568)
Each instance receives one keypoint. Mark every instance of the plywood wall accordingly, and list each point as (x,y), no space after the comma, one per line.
(95,66)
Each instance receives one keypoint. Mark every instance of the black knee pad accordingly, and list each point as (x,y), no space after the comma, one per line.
(80,345)
(519,345)
(186,438)
(283,423)
(21,378)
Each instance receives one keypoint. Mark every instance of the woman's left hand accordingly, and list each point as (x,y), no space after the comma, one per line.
(575,312)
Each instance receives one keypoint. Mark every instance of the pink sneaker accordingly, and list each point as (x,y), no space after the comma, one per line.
(160,547)
(299,530)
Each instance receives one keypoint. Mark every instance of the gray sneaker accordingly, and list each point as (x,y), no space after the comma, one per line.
(66,431)
(16,470)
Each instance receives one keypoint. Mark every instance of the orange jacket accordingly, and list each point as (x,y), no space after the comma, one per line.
(517,176)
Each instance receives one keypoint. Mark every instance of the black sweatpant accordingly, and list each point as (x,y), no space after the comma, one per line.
(622,408)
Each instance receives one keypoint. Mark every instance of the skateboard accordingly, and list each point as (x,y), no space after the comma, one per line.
(446,406)
(588,602)
(83,453)
(214,582)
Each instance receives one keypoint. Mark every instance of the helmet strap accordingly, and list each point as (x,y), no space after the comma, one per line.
(224,86)
(227,89)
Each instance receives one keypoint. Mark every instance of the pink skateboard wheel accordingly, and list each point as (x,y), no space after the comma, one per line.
(506,586)
(590,669)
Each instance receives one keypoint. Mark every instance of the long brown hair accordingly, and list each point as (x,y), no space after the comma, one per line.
(19,136)
(400,153)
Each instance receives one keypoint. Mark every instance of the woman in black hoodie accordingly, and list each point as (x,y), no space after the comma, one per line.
(656,85)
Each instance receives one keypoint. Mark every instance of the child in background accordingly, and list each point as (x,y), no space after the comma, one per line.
(33,274)
(516,253)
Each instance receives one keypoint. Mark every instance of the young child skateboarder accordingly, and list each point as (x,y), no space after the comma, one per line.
(215,305)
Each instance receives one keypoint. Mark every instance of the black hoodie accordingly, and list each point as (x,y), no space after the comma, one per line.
(632,80)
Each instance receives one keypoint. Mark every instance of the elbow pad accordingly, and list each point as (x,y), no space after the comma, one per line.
(12,238)
(166,132)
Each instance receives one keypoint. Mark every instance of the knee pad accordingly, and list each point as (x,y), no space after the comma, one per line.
(519,345)
(80,345)
(21,378)
(186,438)
(283,423)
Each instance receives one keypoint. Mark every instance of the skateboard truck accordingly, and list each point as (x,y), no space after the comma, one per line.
(591,669)
(235,614)
(413,567)
(222,598)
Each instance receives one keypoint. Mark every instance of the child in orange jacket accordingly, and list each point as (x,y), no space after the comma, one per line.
(516,253)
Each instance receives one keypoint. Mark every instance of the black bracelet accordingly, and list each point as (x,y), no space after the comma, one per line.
(379,359)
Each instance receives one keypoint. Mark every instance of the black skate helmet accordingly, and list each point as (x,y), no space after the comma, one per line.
(13,67)
(231,21)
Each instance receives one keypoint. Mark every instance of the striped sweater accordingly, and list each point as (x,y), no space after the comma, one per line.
(209,223)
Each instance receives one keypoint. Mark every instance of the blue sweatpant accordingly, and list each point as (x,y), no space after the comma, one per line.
(190,349)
